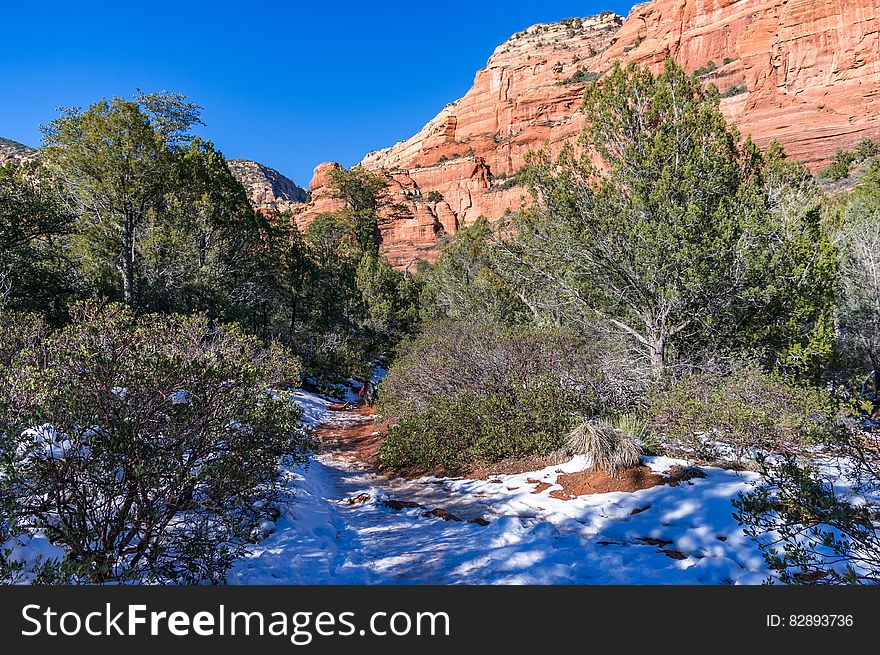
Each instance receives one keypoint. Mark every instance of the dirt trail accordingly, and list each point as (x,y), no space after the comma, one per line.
(347,523)
(352,435)
(350,439)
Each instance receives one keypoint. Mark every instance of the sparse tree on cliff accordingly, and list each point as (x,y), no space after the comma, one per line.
(364,194)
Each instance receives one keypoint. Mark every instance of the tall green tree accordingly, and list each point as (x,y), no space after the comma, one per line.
(364,194)
(35,229)
(465,284)
(358,305)
(391,299)
(201,249)
(785,308)
(655,229)
(117,159)
(859,308)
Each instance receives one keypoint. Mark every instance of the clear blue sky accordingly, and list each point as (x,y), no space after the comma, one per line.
(288,84)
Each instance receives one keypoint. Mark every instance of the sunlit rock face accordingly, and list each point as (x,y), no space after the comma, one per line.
(803,72)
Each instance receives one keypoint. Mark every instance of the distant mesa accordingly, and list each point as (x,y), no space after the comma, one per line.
(266,188)
(803,72)
(14,152)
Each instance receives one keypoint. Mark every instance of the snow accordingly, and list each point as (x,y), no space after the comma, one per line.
(181,397)
(338,528)
(47,442)
(31,551)
(314,407)
(532,538)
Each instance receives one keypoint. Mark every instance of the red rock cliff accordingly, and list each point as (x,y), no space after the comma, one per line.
(804,72)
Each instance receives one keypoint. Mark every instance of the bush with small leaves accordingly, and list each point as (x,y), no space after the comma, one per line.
(867,148)
(705,70)
(468,394)
(811,528)
(147,448)
(735,90)
(840,166)
(454,435)
(745,411)
(581,76)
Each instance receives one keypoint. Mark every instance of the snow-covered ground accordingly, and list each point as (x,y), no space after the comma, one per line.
(339,528)
(661,535)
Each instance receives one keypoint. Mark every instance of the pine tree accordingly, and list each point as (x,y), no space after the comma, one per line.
(658,227)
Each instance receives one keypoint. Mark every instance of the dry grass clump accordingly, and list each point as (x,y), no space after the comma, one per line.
(610,448)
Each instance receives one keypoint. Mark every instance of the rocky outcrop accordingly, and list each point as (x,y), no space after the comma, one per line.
(14,152)
(804,72)
(267,189)
(809,69)
(462,164)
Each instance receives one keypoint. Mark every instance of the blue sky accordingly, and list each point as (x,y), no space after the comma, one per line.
(288,84)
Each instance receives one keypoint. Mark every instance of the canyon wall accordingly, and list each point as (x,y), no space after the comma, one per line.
(803,72)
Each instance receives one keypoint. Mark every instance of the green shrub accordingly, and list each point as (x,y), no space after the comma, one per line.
(452,358)
(581,76)
(705,70)
(840,165)
(504,182)
(457,433)
(747,410)
(809,527)
(867,148)
(636,426)
(734,90)
(147,448)
(434,196)
(467,394)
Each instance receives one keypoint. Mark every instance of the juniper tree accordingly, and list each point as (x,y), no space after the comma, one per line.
(465,285)
(656,227)
(116,159)
(859,310)
(200,251)
(147,448)
(364,194)
(35,229)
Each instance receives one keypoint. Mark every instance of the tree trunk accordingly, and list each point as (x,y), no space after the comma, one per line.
(657,354)
(128,281)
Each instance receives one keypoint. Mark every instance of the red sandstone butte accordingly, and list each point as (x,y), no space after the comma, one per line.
(810,70)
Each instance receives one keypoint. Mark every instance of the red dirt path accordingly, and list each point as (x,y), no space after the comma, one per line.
(357,440)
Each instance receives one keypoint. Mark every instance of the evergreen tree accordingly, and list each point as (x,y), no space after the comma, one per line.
(859,308)
(162,223)
(658,229)
(465,283)
(364,194)
(201,249)
(116,159)
(35,228)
